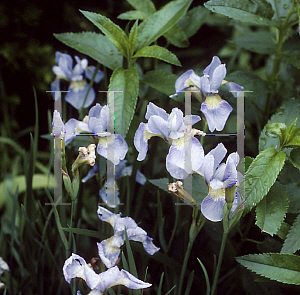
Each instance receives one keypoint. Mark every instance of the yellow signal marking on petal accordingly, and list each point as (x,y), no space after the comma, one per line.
(213,101)
(78,85)
(217,194)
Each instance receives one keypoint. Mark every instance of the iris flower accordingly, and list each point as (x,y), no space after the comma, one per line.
(109,249)
(215,109)
(76,266)
(3,266)
(97,123)
(175,129)
(219,177)
(78,87)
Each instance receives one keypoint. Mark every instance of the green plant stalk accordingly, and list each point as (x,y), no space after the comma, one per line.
(214,285)
(275,70)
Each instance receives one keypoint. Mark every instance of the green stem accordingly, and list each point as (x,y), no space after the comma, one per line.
(214,286)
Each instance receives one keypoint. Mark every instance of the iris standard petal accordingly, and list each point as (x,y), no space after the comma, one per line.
(208,71)
(70,129)
(219,152)
(152,109)
(207,167)
(216,111)
(159,126)
(217,78)
(212,209)
(176,124)
(230,174)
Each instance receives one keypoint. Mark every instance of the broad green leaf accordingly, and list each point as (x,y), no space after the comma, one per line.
(283,230)
(271,210)
(262,174)
(133,15)
(113,32)
(145,6)
(124,102)
(287,113)
(279,130)
(294,138)
(258,12)
(132,37)
(177,37)
(159,53)
(259,42)
(295,158)
(161,183)
(248,160)
(292,242)
(154,79)
(193,20)
(97,46)
(293,190)
(283,268)
(160,22)
(292,58)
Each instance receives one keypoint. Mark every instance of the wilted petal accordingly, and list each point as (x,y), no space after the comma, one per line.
(108,253)
(212,209)
(107,216)
(131,282)
(152,110)
(74,267)
(216,111)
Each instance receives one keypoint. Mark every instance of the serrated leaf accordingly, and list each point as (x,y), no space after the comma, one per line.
(287,113)
(283,230)
(283,268)
(271,210)
(292,58)
(292,241)
(248,160)
(133,36)
(97,46)
(177,37)
(154,79)
(295,158)
(293,190)
(160,22)
(158,52)
(259,42)
(262,174)
(124,103)
(132,15)
(294,138)
(281,7)
(193,20)
(113,32)
(145,6)
(161,183)
(257,12)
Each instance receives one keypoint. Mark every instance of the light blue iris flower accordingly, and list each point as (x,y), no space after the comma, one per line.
(78,87)
(109,249)
(215,109)
(97,123)
(218,178)
(76,267)
(175,129)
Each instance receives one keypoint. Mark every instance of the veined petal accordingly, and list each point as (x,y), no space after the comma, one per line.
(70,129)
(217,77)
(176,124)
(230,174)
(208,71)
(108,253)
(183,82)
(216,111)
(205,85)
(149,246)
(152,109)
(89,72)
(76,96)
(95,111)
(234,88)
(207,167)
(65,64)
(107,216)
(131,282)
(191,119)
(216,184)
(141,141)
(159,126)
(58,128)
(74,267)
(212,209)
(219,152)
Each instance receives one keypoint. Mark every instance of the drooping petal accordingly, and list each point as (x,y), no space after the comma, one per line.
(180,84)
(109,254)
(91,173)
(234,88)
(107,216)
(212,209)
(74,267)
(152,110)
(216,111)
(131,282)
(89,72)
(191,119)
(70,129)
(141,142)
(77,94)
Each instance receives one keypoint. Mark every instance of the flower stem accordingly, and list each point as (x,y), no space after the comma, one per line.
(214,286)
